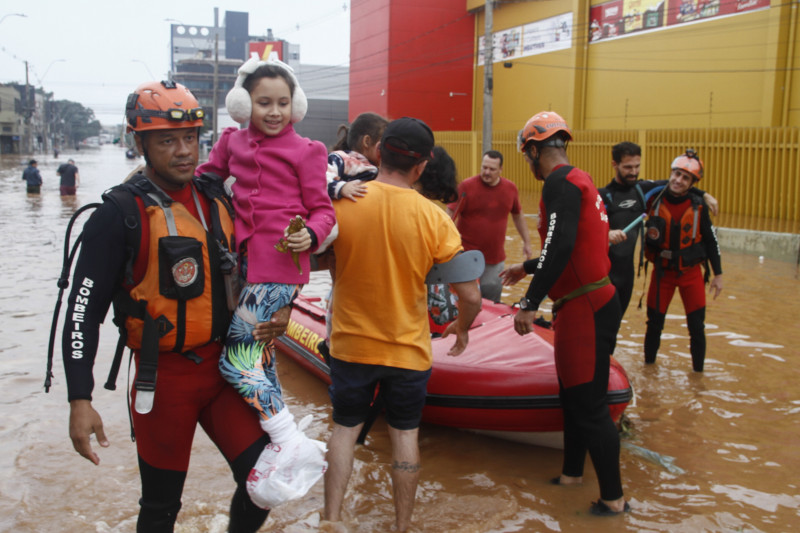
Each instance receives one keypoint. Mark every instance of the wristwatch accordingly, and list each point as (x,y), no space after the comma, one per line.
(526,305)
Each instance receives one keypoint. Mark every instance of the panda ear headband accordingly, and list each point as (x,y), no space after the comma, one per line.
(239,104)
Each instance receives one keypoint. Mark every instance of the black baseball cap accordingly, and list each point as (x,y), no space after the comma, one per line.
(408,136)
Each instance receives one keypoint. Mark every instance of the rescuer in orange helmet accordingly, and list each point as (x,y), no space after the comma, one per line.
(679,238)
(161,246)
(572,269)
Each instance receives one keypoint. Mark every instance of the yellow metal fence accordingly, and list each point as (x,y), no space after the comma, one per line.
(753,172)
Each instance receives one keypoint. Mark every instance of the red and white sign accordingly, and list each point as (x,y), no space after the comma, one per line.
(266,50)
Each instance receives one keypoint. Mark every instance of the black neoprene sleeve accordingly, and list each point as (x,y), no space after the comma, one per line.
(562,201)
(97,273)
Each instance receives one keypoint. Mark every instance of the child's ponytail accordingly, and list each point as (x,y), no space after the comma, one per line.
(342,144)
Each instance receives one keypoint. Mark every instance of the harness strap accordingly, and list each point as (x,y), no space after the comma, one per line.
(199,209)
(165,208)
(580,291)
(180,335)
(641,230)
(145,383)
(111,382)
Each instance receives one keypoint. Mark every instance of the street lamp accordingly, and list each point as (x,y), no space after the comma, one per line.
(145,66)
(41,80)
(47,107)
(4,17)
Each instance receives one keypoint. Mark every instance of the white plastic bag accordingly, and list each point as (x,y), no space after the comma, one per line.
(288,470)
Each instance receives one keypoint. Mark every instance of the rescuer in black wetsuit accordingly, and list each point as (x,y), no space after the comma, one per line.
(572,269)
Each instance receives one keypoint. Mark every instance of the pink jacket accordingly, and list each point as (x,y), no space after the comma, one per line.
(277,178)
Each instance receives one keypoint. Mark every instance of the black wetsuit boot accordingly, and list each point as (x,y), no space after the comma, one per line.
(652,337)
(697,337)
(246,517)
(161,499)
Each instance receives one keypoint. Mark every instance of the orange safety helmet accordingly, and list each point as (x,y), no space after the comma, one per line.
(689,162)
(162,106)
(541,127)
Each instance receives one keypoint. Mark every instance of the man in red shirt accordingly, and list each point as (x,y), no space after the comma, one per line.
(481,215)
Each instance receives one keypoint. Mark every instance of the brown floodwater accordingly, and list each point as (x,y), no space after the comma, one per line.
(704,452)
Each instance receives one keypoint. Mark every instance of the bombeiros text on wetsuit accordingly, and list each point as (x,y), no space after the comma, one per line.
(81,302)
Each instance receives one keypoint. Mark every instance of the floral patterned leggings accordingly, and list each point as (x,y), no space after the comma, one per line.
(247,364)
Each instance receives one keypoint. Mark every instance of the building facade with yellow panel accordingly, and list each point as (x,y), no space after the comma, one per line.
(716,75)
(641,64)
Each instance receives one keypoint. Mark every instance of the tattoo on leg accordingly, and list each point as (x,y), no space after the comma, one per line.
(406,466)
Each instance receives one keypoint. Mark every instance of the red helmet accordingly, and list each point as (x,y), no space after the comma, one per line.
(162,106)
(689,162)
(541,127)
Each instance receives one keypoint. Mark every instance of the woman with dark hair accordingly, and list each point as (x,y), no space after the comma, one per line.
(438,180)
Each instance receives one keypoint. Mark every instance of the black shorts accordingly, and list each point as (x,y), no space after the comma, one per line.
(353,389)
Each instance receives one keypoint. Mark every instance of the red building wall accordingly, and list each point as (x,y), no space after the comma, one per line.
(412,58)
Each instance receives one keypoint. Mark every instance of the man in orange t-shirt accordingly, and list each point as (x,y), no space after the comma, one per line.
(387,243)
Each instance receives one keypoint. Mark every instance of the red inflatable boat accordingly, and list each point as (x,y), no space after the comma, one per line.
(503,384)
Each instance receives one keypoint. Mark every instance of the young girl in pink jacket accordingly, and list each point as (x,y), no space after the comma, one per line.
(279,176)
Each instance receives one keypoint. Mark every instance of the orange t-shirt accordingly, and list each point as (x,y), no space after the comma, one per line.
(388,241)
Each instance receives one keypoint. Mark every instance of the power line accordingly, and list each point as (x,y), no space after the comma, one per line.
(466,50)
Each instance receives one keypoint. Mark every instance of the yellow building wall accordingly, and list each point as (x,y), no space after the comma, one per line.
(722,72)
(532,84)
(791,34)
(707,74)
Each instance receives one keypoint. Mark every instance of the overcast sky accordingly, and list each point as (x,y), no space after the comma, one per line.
(109,47)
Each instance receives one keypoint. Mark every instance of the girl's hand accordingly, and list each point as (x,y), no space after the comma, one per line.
(299,241)
(353,189)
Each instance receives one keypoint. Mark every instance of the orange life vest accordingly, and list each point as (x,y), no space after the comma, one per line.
(659,236)
(182,288)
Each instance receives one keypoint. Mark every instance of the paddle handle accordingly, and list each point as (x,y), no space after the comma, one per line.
(633,224)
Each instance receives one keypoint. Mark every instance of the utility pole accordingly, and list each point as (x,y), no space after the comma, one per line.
(216,75)
(46,116)
(488,82)
(28,113)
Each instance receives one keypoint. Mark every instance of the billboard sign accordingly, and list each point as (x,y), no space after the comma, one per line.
(620,18)
(266,50)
